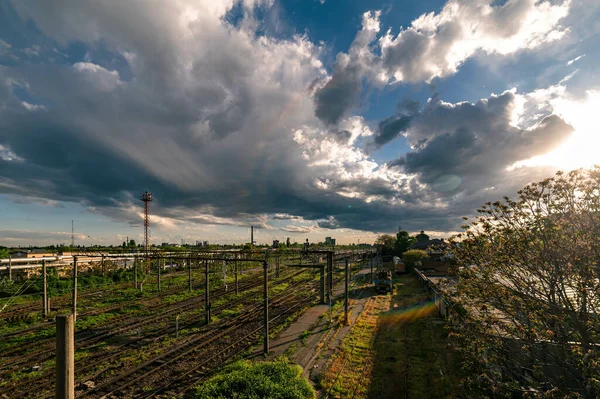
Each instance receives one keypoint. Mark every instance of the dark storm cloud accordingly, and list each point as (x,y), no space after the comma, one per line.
(342,92)
(475,143)
(395,125)
(339,95)
(330,223)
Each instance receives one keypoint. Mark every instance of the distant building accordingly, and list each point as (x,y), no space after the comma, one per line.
(330,242)
(424,243)
(164,244)
(275,243)
(205,243)
(31,253)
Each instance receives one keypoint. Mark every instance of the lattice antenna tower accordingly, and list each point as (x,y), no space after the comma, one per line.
(147,197)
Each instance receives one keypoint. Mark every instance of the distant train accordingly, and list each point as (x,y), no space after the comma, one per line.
(383,280)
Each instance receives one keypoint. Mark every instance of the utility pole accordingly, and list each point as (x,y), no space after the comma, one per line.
(103,267)
(189,262)
(135,262)
(235,265)
(266,307)
(372,257)
(45,298)
(251,237)
(74,288)
(10,267)
(346,322)
(65,357)
(206,292)
(159,267)
(330,270)
(322,285)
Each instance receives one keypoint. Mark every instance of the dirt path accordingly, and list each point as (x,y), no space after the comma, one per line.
(396,348)
(312,339)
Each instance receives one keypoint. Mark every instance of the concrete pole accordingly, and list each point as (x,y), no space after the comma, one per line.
(346,295)
(135,263)
(330,271)
(225,275)
(322,285)
(371,268)
(207,292)
(45,297)
(266,307)
(74,288)
(235,265)
(189,274)
(103,267)
(277,267)
(159,268)
(65,357)
(10,267)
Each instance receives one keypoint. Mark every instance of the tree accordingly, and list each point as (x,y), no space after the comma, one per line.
(411,257)
(403,241)
(4,253)
(386,243)
(132,243)
(527,301)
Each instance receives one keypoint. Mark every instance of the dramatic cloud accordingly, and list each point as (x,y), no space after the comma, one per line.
(342,91)
(231,126)
(435,45)
(464,147)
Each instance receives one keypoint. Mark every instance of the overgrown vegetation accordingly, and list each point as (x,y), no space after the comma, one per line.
(256,380)
(528,294)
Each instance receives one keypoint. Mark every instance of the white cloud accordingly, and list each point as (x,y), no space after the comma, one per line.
(575,59)
(435,45)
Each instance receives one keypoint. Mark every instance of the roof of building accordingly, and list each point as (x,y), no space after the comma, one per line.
(428,243)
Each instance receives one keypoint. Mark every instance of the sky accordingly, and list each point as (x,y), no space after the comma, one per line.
(304,118)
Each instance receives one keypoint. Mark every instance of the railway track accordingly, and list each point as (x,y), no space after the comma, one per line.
(173,289)
(119,324)
(186,364)
(22,387)
(190,361)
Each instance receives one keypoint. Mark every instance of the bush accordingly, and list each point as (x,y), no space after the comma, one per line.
(247,380)
(413,256)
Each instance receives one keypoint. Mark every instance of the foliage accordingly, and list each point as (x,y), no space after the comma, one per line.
(386,243)
(413,256)
(247,380)
(526,305)
(403,242)
(4,253)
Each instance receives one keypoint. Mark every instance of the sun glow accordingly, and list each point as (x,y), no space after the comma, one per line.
(581,150)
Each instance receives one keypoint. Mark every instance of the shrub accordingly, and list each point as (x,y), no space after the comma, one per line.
(413,256)
(256,380)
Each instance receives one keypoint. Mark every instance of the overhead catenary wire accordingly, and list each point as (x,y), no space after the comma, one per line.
(19,292)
